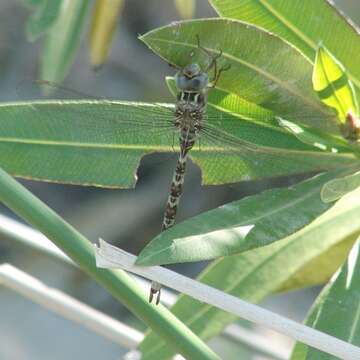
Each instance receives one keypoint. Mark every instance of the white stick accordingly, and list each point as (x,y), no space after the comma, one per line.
(69,307)
(28,236)
(33,238)
(108,256)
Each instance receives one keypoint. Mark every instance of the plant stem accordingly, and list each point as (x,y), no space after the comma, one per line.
(117,282)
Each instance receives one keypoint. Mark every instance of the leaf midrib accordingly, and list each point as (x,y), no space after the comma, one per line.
(83,144)
(204,149)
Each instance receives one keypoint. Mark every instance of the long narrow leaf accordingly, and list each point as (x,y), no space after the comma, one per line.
(101,143)
(337,188)
(336,310)
(280,127)
(303,23)
(105,17)
(63,40)
(249,223)
(332,84)
(42,18)
(253,275)
(265,70)
(185,8)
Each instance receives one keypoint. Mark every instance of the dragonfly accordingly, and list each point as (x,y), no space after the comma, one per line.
(211,137)
(192,84)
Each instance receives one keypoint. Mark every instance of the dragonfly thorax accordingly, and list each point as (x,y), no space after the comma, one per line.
(188,119)
(192,85)
(191,79)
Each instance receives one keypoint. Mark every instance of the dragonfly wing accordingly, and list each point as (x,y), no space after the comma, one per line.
(82,142)
(225,158)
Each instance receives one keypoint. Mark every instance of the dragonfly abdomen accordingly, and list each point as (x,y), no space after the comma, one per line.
(173,203)
(175,189)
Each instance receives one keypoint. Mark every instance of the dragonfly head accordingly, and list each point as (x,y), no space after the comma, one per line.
(192,70)
(191,78)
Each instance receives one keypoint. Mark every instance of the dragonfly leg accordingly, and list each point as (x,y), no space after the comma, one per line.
(158,297)
(213,64)
(155,290)
(173,141)
(174,66)
(217,75)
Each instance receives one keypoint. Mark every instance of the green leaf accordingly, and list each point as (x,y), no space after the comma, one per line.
(332,84)
(255,274)
(319,270)
(280,128)
(268,132)
(336,310)
(101,143)
(31,3)
(337,188)
(80,142)
(252,222)
(255,74)
(314,138)
(62,40)
(303,24)
(105,18)
(42,18)
(185,8)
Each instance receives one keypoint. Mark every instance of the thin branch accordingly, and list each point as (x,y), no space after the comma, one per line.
(260,343)
(68,307)
(30,237)
(34,239)
(108,256)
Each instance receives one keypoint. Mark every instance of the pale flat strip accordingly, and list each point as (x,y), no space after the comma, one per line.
(108,256)
(68,307)
(260,343)
(34,239)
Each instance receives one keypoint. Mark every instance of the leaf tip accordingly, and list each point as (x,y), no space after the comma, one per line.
(141,38)
(320,46)
(143,260)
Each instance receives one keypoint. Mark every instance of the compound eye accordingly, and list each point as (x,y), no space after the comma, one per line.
(195,83)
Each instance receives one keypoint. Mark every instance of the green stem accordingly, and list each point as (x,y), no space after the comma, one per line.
(117,282)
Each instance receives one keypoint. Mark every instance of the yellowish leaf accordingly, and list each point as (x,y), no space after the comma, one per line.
(331,83)
(103,25)
(185,8)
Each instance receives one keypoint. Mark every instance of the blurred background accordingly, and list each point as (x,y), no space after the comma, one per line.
(128,218)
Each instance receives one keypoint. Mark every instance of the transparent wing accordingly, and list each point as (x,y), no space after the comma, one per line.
(224,157)
(230,148)
(82,142)
(114,118)
(89,121)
